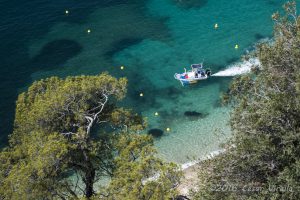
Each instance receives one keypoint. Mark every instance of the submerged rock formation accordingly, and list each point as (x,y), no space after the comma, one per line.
(194,115)
(156,132)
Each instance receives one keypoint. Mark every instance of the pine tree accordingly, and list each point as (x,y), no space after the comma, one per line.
(262,160)
(66,138)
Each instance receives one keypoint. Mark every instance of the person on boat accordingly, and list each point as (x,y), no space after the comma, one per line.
(202,73)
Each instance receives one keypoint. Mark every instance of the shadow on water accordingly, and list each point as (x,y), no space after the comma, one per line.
(188,4)
(224,83)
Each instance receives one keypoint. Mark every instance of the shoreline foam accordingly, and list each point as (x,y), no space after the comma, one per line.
(206,157)
(190,173)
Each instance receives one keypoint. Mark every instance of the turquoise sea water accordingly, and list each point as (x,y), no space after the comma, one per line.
(152,39)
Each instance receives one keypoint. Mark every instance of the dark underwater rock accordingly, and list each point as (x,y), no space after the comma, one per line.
(156,132)
(194,115)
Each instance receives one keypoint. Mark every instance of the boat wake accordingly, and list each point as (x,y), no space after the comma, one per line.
(239,68)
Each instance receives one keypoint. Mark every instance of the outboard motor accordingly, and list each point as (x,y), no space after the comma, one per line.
(208,72)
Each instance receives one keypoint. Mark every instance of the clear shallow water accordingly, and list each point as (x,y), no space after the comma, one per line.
(153,39)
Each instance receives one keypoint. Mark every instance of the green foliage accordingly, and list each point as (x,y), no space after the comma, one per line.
(62,105)
(139,174)
(30,170)
(69,134)
(264,152)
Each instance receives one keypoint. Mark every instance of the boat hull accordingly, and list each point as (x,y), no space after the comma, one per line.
(185,79)
(193,76)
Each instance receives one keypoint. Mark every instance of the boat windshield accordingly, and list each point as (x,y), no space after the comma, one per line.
(195,66)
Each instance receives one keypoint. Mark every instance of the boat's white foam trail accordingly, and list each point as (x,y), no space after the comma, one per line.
(239,68)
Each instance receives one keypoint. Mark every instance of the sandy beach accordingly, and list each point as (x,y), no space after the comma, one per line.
(190,173)
(189,180)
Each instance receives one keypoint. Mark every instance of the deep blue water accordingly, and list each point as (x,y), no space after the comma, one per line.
(153,39)
(20,22)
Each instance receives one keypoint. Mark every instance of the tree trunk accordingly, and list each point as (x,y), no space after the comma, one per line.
(89,175)
(89,182)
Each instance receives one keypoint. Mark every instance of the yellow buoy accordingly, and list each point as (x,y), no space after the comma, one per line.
(156,114)
(122,67)
(89,31)
(168,129)
(216,26)
(67,12)
(141,94)
(236,46)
